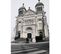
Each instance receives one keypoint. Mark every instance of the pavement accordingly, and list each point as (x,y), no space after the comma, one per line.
(39,52)
(30,48)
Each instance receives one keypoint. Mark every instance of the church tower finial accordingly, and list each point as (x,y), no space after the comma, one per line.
(29,8)
(23,4)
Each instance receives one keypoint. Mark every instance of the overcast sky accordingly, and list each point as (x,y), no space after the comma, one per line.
(16,4)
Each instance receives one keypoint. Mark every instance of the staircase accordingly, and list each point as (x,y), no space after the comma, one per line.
(28,46)
(19,40)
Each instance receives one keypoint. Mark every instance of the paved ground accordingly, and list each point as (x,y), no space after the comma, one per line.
(30,48)
(33,52)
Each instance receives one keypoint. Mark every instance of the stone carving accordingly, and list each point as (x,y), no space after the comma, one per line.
(29,21)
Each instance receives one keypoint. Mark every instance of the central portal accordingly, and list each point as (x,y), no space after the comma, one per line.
(29,35)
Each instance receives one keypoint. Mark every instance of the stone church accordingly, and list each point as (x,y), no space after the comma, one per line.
(30,24)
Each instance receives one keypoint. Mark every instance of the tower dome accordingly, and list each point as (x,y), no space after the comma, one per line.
(22,10)
(39,6)
(22,7)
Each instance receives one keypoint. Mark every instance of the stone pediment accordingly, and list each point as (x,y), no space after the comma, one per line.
(30,12)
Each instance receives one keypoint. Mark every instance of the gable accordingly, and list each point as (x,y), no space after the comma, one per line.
(30,12)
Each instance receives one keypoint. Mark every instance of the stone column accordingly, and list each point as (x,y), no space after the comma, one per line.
(33,36)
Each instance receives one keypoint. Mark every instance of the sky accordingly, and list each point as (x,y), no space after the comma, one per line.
(16,4)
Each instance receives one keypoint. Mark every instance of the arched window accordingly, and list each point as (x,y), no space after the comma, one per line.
(39,9)
(20,12)
(29,28)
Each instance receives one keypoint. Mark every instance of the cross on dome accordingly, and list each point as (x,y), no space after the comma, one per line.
(23,4)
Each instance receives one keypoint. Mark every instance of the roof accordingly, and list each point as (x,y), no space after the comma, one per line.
(39,3)
(22,8)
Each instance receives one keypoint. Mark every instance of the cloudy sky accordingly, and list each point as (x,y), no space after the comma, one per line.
(16,4)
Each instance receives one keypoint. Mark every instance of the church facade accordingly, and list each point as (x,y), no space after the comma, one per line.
(30,24)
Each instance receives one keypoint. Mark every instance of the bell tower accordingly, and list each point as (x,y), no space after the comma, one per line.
(21,10)
(39,7)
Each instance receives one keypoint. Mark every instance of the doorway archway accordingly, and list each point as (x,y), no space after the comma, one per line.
(29,35)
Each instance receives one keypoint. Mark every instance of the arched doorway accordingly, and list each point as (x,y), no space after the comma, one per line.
(29,37)
(29,34)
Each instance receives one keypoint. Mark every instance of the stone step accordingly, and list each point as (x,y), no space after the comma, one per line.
(22,51)
(22,47)
(19,40)
(39,52)
(28,46)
